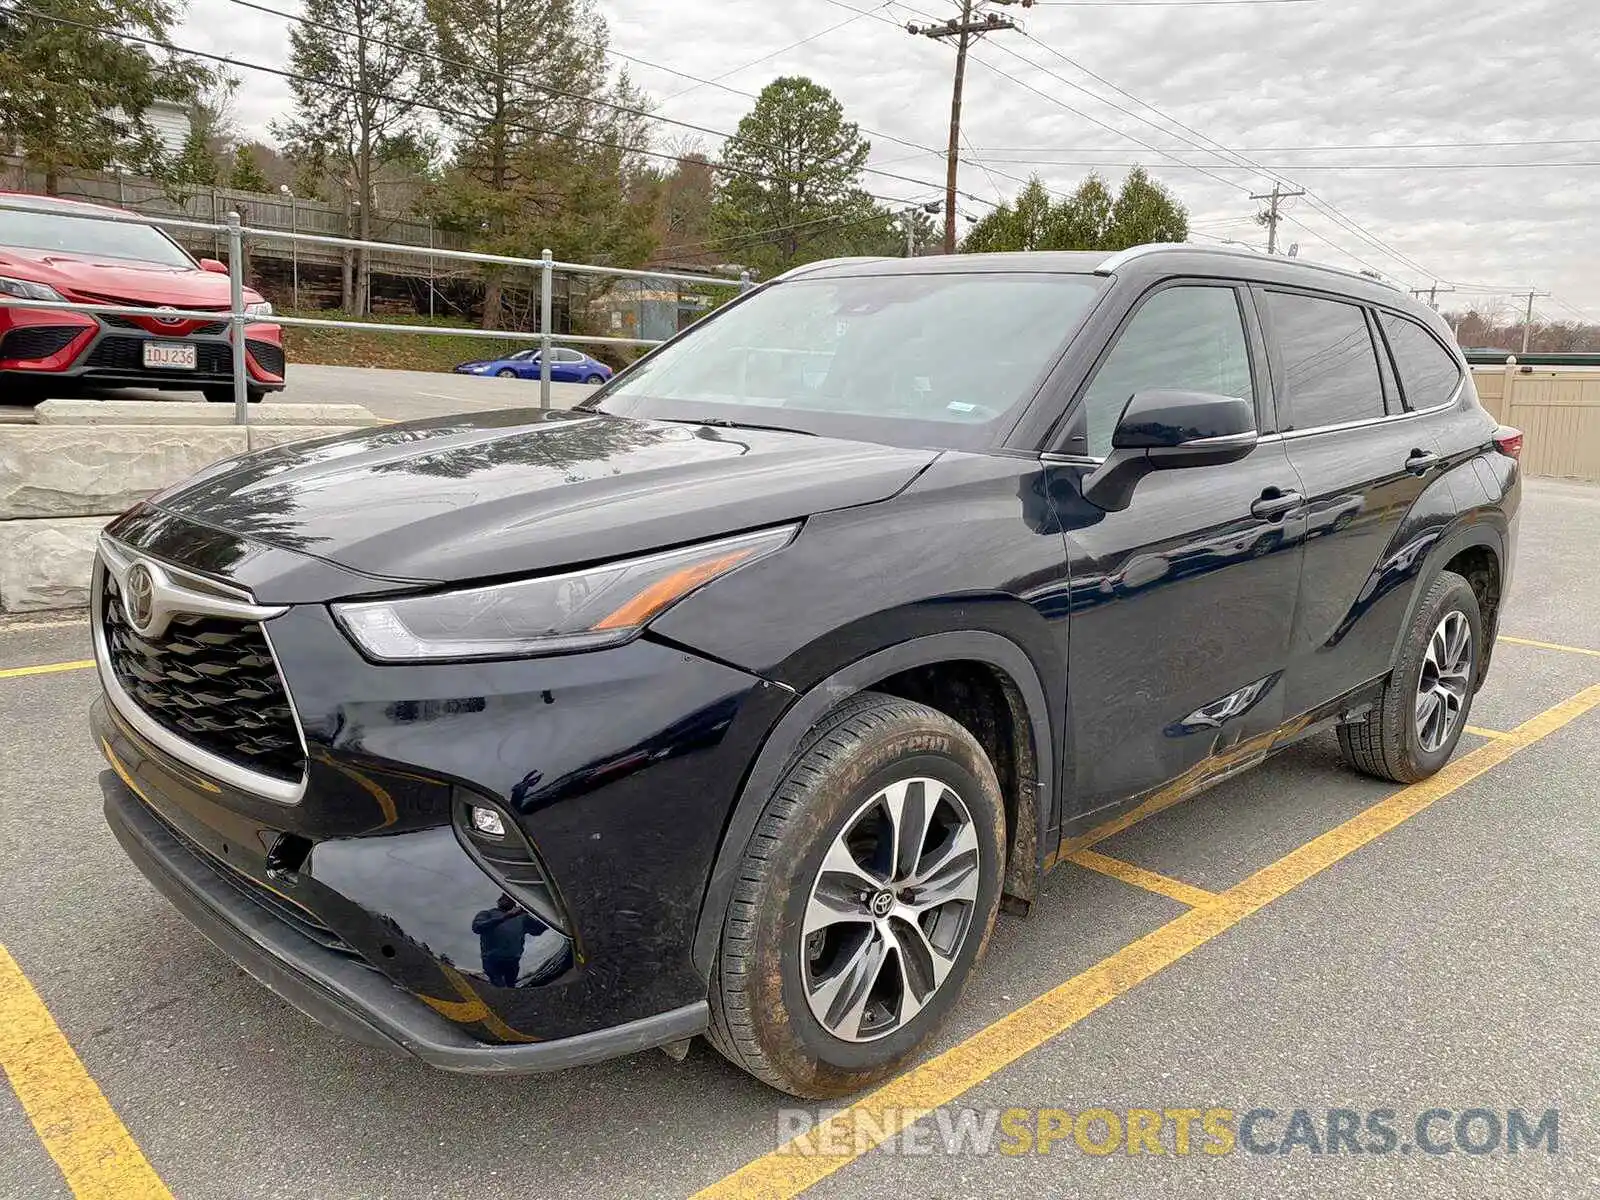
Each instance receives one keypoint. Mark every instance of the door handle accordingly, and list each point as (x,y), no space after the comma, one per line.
(1275,505)
(1422,461)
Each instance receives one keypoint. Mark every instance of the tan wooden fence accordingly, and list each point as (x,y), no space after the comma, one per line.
(1558,411)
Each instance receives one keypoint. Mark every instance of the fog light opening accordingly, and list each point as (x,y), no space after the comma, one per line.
(487,821)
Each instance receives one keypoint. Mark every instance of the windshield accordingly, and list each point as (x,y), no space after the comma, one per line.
(937,360)
(90,238)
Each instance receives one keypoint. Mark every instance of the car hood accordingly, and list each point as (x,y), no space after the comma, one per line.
(121,279)
(519,491)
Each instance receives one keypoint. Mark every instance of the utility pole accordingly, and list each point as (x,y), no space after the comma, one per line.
(1271,217)
(1433,294)
(910,219)
(1527,324)
(972,24)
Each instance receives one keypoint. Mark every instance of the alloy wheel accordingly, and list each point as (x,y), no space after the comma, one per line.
(890,909)
(1442,685)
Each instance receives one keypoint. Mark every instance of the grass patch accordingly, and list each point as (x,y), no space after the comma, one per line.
(397,351)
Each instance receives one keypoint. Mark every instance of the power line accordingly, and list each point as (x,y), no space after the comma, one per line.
(516,126)
(774,54)
(1162,3)
(1322,206)
(1468,166)
(972,25)
(628,110)
(1060,103)
(758,234)
(1273,214)
(1302,149)
(1471,166)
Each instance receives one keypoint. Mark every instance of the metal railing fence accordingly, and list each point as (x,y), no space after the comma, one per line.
(238,319)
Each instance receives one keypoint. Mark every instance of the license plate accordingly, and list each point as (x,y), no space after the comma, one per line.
(169,356)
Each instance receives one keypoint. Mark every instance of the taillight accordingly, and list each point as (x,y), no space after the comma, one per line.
(1508,441)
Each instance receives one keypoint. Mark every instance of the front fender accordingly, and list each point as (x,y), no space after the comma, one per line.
(826,694)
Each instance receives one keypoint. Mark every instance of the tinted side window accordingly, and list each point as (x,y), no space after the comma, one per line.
(1329,363)
(1184,339)
(1429,375)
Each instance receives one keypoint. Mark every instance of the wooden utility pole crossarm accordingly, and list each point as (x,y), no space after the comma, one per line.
(973,23)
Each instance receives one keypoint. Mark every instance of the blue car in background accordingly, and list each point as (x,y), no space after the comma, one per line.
(566,366)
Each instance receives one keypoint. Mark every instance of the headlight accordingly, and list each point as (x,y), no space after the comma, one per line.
(262,308)
(583,610)
(26,289)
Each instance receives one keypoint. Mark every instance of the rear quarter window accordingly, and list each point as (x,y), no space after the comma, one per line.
(1330,365)
(1429,374)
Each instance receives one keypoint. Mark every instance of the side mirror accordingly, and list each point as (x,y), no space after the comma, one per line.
(212,265)
(1161,430)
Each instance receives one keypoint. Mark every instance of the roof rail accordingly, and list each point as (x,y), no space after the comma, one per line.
(1122,257)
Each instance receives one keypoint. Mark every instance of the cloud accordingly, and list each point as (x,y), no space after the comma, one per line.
(1281,78)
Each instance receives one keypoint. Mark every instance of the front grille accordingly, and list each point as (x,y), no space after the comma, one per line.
(211,328)
(212,682)
(116,353)
(38,341)
(268,355)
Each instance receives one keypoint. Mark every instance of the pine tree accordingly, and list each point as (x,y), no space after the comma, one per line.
(790,185)
(73,96)
(246,175)
(546,150)
(355,99)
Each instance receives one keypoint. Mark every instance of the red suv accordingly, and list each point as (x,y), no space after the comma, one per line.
(54,255)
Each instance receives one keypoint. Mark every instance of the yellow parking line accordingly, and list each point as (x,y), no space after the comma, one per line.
(882,1114)
(1480,731)
(1150,881)
(69,1111)
(47,668)
(1516,641)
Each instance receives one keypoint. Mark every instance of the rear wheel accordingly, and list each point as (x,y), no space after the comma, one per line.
(1413,729)
(224,394)
(595,380)
(864,899)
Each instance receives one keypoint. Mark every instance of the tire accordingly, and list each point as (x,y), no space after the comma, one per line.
(769,973)
(224,395)
(1393,743)
(594,380)
(505,373)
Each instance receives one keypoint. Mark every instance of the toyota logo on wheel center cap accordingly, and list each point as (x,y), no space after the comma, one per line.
(882,903)
(138,597)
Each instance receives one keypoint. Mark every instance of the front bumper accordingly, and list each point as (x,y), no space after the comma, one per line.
(337,991)
(620,767)
(109,352)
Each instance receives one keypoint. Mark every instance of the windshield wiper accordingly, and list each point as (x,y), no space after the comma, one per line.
(728,423)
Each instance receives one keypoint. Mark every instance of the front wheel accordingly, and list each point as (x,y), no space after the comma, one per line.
(506,373)
(865,898)
(1413,729)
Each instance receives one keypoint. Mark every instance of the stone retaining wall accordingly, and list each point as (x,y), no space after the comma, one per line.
(63,478)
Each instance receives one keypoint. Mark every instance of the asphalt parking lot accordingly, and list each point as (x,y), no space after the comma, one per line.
(1296,938)
(393,395)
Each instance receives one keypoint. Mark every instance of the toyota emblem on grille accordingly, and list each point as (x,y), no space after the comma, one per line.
(138,597)
(166,308)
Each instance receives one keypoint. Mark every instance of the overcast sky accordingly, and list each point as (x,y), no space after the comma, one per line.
(1307,88)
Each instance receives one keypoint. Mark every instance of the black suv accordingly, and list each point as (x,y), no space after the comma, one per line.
(734,701)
